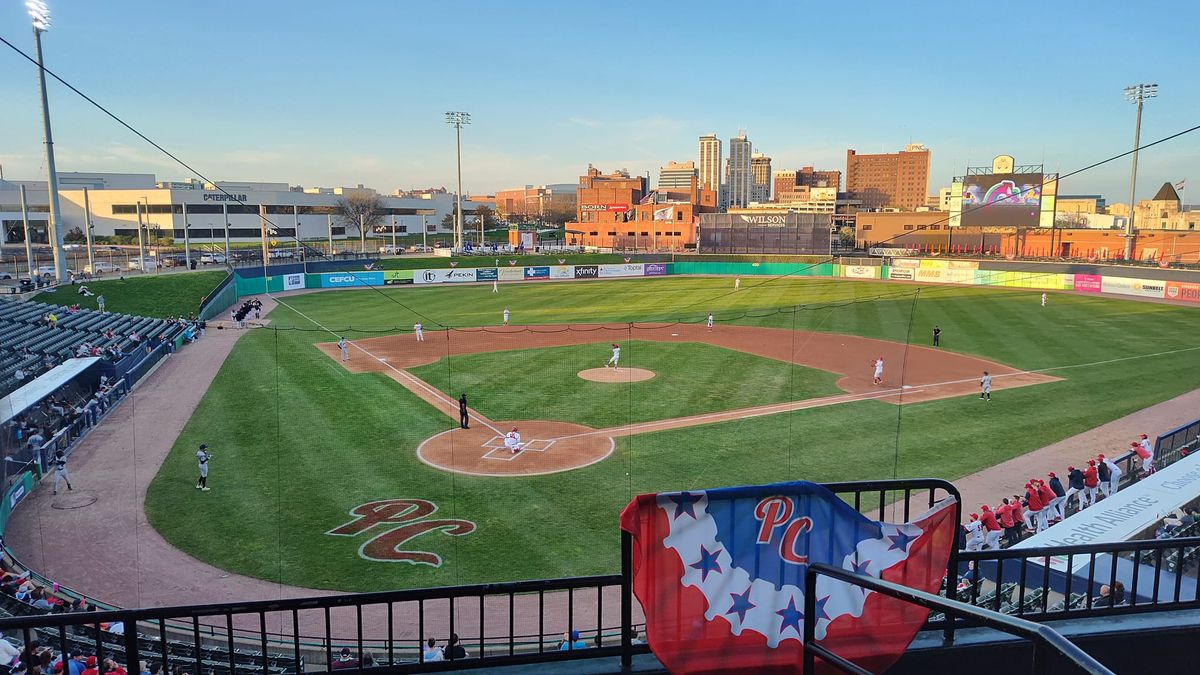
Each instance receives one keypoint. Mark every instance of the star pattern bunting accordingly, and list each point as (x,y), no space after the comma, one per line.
(900,540)
(685,503)
(791,616)
(741,605)
(707,563)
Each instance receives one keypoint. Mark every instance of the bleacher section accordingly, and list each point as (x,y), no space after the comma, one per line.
(27,343)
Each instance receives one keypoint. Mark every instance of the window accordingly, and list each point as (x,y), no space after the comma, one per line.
(908,227)
(612,234)
(645,234)
(341,230)
(593,233)
(203,208)
(867,227)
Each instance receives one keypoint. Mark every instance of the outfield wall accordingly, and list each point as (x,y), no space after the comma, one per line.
(1134,282)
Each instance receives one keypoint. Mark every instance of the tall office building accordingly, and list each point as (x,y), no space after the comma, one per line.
(710,162)
(889,180)
(760,168)
(737,172)
(677,175)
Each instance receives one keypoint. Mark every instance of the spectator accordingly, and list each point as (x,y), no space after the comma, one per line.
(8,653)
(454,649)
(1110,596)
(633,637)
(572,642)
(75,664)
(432,652)
(111,666)
(20,376)
(45,662)
(40,601)
(345,661)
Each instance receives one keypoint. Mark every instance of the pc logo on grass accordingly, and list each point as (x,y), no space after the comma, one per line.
(393,523)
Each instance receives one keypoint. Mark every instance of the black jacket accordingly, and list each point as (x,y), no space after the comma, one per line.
(1075,479)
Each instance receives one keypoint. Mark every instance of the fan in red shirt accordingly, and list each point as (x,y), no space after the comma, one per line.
(993,528)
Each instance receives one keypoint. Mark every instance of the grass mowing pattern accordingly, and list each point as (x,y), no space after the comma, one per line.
(169,295)
(299,441)
(690,379)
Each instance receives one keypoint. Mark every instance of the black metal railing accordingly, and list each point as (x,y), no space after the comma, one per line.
(1047,642)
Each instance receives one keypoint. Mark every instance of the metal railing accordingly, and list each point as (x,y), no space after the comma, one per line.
(1046,641)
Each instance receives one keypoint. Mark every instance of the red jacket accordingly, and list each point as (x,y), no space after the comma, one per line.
(1018,513)
(1006,516)
(989,521)
(1141,452)
(1034,500)
(1046,494)
(1091,477)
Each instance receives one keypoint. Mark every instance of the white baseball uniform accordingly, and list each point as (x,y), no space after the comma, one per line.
(974,530)
(495,286)
(710,321)
(343,346)
(879,369)
(616,357)
(1113,478)
(1043,299)
(1148,462)
(202,459)
(419,330)
(512,441)
(505,316)
(737,283)
(60,472)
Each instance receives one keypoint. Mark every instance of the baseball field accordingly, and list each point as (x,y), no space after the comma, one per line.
(352,474)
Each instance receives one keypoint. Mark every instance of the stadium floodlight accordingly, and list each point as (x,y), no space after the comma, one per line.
(458,120)
(40,13)
(1137,94)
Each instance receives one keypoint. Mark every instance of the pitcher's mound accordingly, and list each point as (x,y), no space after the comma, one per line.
(616,374)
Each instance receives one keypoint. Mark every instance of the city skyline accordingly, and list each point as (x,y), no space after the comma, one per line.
(271,130)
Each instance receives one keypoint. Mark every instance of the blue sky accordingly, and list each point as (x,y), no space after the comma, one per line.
(312,94)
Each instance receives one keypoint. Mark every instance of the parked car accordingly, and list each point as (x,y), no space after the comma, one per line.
(172,260)
(212,259)
(100,267)
(143,264)
(439,244)
(420,248)
(72,247)
(389,249)
(45,271)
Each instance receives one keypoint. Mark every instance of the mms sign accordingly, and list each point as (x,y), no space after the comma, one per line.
(393,526)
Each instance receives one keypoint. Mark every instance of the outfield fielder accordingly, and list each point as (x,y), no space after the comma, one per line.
(1043,299)
(419,330)
(737,283)
(345,349)
(512,441)
(60,471)
(616,356)
(495,286)
(202,458)
(878,378)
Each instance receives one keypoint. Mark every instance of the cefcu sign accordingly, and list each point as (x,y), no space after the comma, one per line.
(346,279)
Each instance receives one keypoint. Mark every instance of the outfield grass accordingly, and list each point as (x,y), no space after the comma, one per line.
(168,295)
(690,379)
(299,441)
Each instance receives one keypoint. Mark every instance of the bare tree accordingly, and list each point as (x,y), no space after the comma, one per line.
(360,212)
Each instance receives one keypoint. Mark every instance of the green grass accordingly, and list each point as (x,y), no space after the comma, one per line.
(167,295)
(689,379)
(299,441)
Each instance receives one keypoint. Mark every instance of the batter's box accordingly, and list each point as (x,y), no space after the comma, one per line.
(497,451)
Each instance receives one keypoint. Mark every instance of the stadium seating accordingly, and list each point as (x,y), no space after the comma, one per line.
(28,344)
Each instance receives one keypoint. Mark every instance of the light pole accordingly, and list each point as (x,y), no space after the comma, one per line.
(40,14)
(458,120)
(1136,94)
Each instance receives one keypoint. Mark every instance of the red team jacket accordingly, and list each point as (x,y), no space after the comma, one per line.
(1091,477)
(989,521)
(1006,516)
(1033,499)
(1046,493)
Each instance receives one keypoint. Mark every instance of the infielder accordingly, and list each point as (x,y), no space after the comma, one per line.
(505,316)
(985,387)
(1043,299)
(512,441)
(616,356)
(878,378)
(202,458)
(710,320)
(345,348)
(419,331)
(60,471)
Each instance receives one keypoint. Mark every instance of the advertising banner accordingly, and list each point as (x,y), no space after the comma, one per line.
(1143,288)
(510,273)
(587,271)
(392,277)
(1183,290)
(902,274)
(486,274)
(442,276)
(562,272)
(906,262)
(860,271)
(626,270)
(293,281)
(945,275)
(655,269)
(537,272)
(345,279)
(1087,283)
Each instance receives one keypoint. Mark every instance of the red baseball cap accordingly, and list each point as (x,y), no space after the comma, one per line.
(1069,468)
(975,516)
(1100,456)
(1134,444)
(985,507)
(1052,473)
(91,662)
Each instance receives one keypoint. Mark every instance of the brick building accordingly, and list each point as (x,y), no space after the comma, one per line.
(617,211)
(535,202)
(889,180)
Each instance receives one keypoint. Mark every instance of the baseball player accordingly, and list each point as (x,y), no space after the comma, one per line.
(1043,299)
(506,316)
(1148,458)
(974,530)
(60,471)
(1091,482)
(1060,497)
(710,320)
(878,363)
(202,457)
(993,528)
(616,356)
(937,336)
(1035,516)
(1075,484)
(419,331)
(463,416)
(512,441)
(1050,499)
(495,286)
(344,347)
(985,387)
(1114,475)
(737,283)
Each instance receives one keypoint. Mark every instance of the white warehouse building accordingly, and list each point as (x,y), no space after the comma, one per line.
(237,210)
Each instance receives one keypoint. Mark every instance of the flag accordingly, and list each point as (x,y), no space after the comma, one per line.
(648,199)
(1181,185)
(720,576)
(663,214)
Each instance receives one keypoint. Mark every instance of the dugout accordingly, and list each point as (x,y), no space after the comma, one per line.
(772,233)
